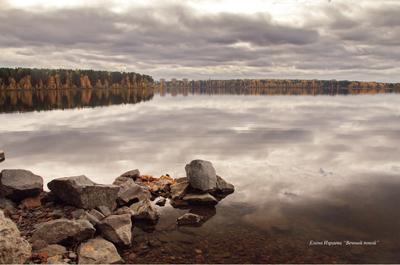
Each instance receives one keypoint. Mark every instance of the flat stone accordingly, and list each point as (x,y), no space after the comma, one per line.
(13,248)
(189,219)
(18,184)
(201,199)
(201,175)
(178,190)
(98,251)
(117,229)
(84,193)
(64,231)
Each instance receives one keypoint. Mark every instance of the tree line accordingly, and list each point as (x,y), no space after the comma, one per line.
(33,78)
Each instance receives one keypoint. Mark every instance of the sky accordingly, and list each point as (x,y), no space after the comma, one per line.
(207,39)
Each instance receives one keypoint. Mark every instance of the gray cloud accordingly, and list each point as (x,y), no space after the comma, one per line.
(176,40)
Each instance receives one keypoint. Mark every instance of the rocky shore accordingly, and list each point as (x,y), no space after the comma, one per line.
(80,221)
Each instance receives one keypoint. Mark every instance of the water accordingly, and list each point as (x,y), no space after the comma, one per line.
(305,168)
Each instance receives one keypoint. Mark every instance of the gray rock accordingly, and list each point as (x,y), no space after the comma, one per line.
(144,210)
(132,174)
(7,205)
(117,229)
(18,184)
(161,201)
(91,218)
(201,199)
(130,192)
(64,231)
(13,248)
(84,193)
(178,190)
(224,187)
(98,251)
(104,210)
(201,175)
(53,250)
(2,156)
(97,214)
(189,219)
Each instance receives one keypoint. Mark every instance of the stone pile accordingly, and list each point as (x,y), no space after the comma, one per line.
(80,221)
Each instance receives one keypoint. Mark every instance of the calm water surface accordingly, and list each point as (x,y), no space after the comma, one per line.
(304,167)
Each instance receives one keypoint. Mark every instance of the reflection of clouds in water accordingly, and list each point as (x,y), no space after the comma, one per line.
(285,138)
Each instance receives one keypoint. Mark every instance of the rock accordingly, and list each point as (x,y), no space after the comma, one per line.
(39,244)
(201,175)
(104,210)
(132,174)
(131,192)
(97,214)
(144,210)
(161,201)
(57,259)
(223,187)
(189,219)
(91,218)
(2,156)
(13,248)
(31,202)
(53,250)
(117,229)
(78,213)
(72,255)
(98,251)
(64,231)
(123,210)
(7,205)
(200,199)
(178,190)
(84,193)
(18,184)
(57,213)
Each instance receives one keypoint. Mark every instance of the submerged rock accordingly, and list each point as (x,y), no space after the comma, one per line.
(189,219)
(2,156)
(13,248)
(200,199)
(81,192)
(64,231)
(18,184)
(117,229)
(201,175)
(98,251)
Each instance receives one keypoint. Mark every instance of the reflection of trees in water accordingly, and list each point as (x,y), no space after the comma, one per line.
(49,99)
(274,87)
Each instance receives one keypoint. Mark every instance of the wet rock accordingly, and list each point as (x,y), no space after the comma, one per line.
(189,219)
(200,199)
(84,193)
(131,192)
(18,184)
(2,156)
(144,210)
(201,175)
(7,205)
(31,202)
(13,248)
(104,210)
(97,214)
(117,229)
(64,231)
(132,174)
(53,250)
(161,201)
(178,190)
(98,251)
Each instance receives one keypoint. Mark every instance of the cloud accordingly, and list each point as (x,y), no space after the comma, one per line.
(330,40)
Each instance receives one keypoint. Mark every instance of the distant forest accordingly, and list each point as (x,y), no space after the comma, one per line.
(32,78)
(274,87)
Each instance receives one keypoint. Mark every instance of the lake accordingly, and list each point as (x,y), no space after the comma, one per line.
(310,172)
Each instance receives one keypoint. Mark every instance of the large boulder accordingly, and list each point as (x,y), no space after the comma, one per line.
(117,229)
(98,251)
(64,231)
(81,192)
(200,199)
(201,175)
(13,248)
(18,184)
(144,210)
(131,192)
(2,156)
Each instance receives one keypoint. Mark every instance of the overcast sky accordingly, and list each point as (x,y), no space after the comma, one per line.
(217,39)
